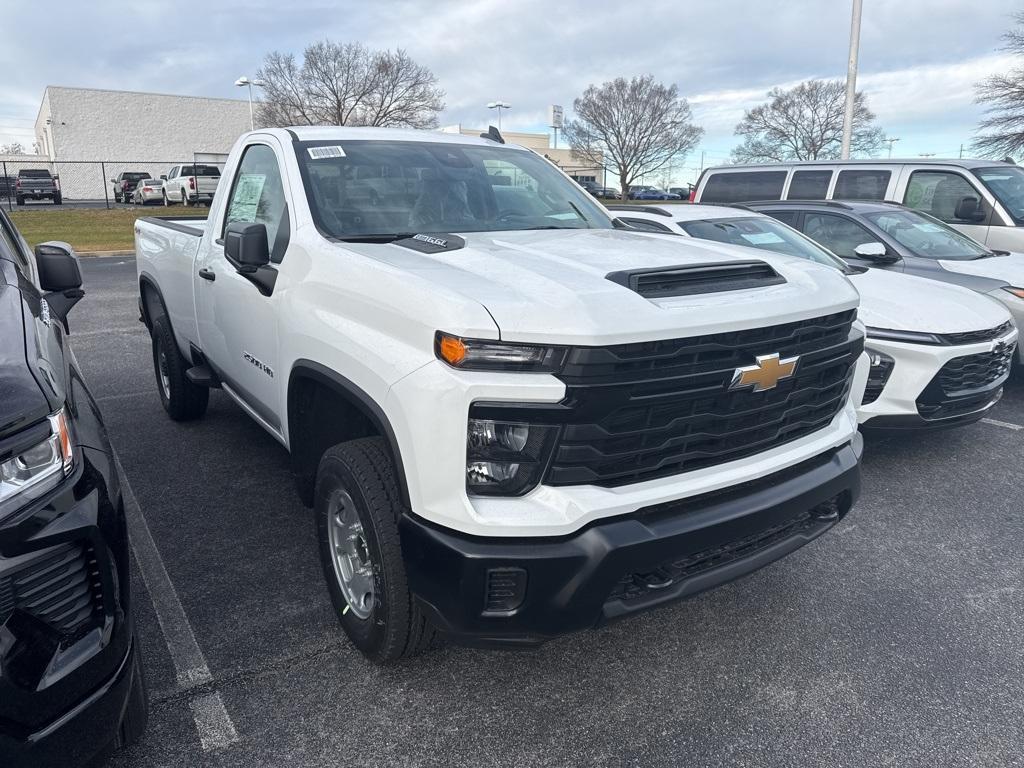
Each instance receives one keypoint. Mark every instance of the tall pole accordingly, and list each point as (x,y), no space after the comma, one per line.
(252,122)
(851,78)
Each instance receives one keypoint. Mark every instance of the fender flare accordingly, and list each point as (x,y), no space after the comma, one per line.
(146,281)
(366,404)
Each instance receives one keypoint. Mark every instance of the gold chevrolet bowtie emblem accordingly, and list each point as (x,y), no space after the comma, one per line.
(766,373)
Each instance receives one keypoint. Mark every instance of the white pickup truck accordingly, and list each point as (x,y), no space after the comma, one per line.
(190,184)
(512,418)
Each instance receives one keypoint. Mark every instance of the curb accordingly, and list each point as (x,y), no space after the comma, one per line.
(104,254)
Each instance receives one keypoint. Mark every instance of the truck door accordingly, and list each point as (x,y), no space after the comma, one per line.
(237,323)
(939,190)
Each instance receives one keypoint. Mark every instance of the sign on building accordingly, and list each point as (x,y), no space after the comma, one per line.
(555,116)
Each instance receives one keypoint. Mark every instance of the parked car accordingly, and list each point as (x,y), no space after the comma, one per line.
(897,239)
(501,439)
(682,192)
(190,184)
(148,191)
(939,353)
(983,199)
(71,685)
(650,193)
(125,183)
(603,193)
(7,186)
(37,184)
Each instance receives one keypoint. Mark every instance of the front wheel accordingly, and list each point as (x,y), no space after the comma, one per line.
(167,202)
(357,507)
(184,199)
(183,400)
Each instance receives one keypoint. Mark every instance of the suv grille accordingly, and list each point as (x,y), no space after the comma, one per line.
(60,588)
(962,374)
(974,337)
(654,409)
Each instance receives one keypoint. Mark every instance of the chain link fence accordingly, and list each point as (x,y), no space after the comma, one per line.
(80,183)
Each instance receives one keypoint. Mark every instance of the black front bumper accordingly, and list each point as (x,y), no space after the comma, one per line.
(620,566)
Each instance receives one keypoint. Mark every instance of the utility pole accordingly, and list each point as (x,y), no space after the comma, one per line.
(961,151)
(851,78)
(891,142)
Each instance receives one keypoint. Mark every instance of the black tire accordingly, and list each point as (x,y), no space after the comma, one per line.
(183,400)
(395,627)
(58,200)
(136,711)
(20,200)
(167,202)
(184,198)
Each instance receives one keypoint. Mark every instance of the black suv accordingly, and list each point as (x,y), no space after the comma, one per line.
(37,184)
(71,685)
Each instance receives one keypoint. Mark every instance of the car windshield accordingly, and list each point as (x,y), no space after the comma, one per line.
(764,233)
(927,237)
(1007,184)
(386,188)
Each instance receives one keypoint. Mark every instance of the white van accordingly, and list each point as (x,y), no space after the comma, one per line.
(984,199)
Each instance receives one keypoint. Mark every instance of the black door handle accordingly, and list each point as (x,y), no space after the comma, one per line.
(207,274)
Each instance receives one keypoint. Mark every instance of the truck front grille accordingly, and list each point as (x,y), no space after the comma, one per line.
(654,409)
(61,588)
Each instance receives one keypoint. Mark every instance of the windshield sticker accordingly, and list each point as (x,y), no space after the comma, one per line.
(246,198)
(325,153)
(763,238)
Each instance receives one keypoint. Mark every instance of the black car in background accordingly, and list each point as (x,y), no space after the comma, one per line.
(71,685)
(37,184)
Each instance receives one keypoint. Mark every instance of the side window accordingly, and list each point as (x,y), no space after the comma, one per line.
(737,187)
(647,225)
(786,217)
(837,233)
(809,185)
(10,242)
(938,192)
(861,185)
(257,196)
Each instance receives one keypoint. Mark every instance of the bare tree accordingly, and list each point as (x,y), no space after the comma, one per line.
(1002,131)
(806,123)
(348,84)
(632,127)
(14,148)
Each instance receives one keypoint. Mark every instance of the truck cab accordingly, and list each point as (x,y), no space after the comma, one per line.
(511,417)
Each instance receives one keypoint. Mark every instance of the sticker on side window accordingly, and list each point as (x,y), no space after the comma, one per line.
(325,153)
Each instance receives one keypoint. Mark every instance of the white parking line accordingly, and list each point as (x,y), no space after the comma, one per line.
(211,718)
(216,730)
(1003,424)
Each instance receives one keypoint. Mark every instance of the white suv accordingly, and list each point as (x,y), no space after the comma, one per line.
(939,353)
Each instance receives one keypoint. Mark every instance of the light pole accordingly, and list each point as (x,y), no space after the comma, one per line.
(891,142)
(242,82)
(499,105)
(851,78)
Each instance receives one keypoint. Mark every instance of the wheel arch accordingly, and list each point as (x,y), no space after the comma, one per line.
(363,413)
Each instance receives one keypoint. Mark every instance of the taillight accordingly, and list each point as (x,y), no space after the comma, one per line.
(17,184)
(191,182)
(56,183)
(693,194)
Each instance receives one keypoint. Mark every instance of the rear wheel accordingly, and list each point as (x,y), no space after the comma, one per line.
(182,399)
(357,508)
(58,200)
(20,200)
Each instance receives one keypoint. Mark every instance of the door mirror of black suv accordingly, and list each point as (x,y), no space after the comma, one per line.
(60,276)
(968,209)
(876,252)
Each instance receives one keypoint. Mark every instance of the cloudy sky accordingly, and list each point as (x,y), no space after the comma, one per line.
(919,58)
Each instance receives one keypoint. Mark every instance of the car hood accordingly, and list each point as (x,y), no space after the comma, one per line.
(552,286)
(901,302)
(21,400)
(1009,269)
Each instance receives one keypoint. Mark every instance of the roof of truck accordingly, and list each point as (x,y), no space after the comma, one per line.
(969,163)
(343,133)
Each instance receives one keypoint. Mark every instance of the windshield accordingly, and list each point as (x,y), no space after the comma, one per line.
(360,188)
(764,233)
(926,237)
(1007,184)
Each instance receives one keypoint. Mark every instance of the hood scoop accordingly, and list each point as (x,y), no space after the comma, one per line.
(703,278)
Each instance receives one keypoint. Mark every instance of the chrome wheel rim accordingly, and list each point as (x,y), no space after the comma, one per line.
(350,554)
(165,380)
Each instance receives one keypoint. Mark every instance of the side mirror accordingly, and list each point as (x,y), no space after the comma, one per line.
(60,276)
(245,244)
(875,252)
(968,209)
(113,181)
(163,177)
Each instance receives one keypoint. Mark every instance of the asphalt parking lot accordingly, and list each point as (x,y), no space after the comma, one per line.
(896,639)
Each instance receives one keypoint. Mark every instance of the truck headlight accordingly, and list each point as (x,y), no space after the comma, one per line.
(30,472)
(505,458)
(487,355)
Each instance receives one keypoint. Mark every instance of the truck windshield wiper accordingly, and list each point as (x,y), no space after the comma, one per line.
(389,237)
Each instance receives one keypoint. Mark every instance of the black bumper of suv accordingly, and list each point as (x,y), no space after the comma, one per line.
(490,591)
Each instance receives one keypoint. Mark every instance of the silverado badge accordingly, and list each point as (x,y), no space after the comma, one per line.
(765,374)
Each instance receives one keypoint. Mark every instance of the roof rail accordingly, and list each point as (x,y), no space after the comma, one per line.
(829,203)
(651,209)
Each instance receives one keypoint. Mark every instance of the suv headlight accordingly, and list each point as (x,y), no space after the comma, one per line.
(31,472)
(506,458)
(487,355)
